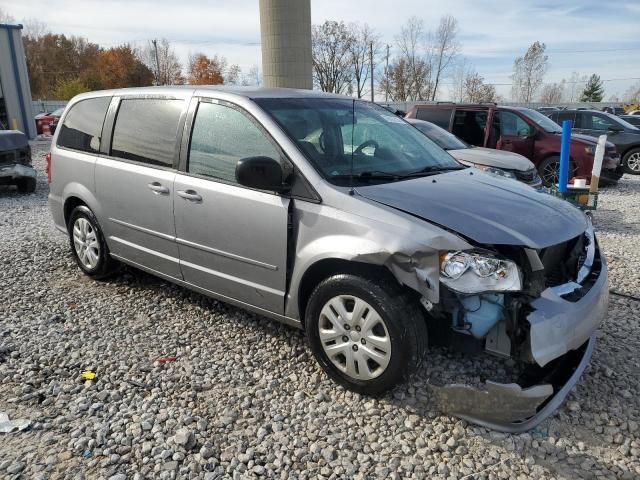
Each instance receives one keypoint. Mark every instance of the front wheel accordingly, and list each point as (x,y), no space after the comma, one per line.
(549,170)
(88,245)
(631,162)
(367,335)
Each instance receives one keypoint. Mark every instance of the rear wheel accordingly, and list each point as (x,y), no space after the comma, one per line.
(26,185)
(366,334)
(631,162)
(549,169)
(88,245)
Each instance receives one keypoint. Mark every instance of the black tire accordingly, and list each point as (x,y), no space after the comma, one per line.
(551,164)
(26,185)
(105,265)
(633,154)
(402,317)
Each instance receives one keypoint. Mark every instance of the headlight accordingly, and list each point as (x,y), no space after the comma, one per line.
(590,150)
(496,171)
(473,272)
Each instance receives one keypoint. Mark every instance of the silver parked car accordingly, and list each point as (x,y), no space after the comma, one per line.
(336,216)
(498,162)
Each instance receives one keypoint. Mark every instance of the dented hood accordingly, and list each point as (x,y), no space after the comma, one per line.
(483,208)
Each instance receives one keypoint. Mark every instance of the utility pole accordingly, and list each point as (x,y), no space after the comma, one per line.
(155,47)
(371,69)
(386,76)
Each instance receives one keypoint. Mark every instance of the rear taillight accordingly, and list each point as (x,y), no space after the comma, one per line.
(48,159)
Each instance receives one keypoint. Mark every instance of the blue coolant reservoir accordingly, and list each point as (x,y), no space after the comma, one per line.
(482,312)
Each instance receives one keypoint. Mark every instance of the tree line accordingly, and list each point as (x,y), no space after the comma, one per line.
(345,56)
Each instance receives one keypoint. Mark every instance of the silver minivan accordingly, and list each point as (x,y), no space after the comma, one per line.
(336,216)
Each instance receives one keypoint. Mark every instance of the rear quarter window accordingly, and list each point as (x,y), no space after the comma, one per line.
(146,130)
(439,116)
(82,126)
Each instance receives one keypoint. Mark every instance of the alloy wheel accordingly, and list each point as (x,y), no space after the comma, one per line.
(86,243)
(633,162)
(354,337)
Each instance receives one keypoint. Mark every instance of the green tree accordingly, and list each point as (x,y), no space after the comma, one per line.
(67,89)
(593,90)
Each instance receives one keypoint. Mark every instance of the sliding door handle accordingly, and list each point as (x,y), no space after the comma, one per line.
(190,195)
(157,188)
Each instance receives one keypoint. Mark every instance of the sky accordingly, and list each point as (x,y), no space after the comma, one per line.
(586,36)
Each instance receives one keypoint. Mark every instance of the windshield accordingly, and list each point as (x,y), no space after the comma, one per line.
(541,120)
(442,138)
(335,134)
(620,121)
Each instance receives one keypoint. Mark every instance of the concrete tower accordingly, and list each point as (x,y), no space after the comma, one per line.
(285,27)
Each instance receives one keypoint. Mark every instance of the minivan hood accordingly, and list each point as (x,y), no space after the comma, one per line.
(492,158)
(484,208)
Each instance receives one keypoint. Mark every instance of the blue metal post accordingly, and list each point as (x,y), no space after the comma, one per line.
(563,177)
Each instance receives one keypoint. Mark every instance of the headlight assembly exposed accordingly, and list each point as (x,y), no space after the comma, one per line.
(475,271)
(496,171)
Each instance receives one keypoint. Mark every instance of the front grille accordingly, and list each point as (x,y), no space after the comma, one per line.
(526,176)
(562,261)
(12,157)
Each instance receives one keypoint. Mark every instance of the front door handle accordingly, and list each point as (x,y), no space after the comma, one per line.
(191,195)
(157,188)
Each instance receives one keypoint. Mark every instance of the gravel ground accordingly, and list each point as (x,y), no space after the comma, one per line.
(245,398)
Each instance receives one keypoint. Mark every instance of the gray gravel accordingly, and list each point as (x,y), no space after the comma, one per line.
(245,399)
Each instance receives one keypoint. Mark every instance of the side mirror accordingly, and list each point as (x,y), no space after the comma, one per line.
(263,173)
(615,128)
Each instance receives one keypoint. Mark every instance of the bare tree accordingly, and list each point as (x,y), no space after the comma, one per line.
(253,77)
(632,94)
(166,68)
(364,39)
(459,75)
(575,85)
(397,80)
(416,62)
(34,28)
(445,48)
(332,67)
(233,74)
(552,92)
(528,72)
(5,17)
(476,91)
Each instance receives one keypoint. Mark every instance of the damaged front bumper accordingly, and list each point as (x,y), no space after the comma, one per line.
(562,321)
(509,407)
(10,173)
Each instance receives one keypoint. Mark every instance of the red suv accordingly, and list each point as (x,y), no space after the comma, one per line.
(523,131)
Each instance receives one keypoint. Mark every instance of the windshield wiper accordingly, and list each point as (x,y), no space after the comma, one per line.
(370,175)
(432,170)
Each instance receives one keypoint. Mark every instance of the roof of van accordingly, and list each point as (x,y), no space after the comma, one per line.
(249,92)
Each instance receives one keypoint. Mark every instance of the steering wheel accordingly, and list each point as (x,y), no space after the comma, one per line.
(362,146)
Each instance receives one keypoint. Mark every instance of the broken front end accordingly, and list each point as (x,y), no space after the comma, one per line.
(538,307)
(15,160)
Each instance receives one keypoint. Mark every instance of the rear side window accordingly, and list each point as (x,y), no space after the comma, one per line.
(146,130)
(82,127)
(439,116)
(221,137)
(560,117)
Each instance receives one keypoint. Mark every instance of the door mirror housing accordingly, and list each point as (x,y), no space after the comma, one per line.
(262,173)
(615,128)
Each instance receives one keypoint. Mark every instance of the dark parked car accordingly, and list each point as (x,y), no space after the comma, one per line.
(523,131)
(632,119)
(621,133)
(15,161)
(614,110)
